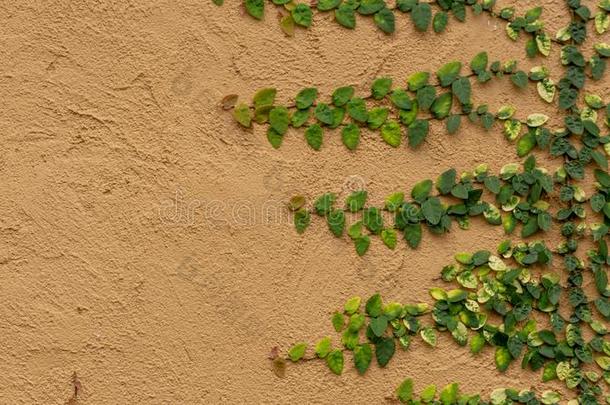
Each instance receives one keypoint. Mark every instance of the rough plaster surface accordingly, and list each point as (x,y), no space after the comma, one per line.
(143,241)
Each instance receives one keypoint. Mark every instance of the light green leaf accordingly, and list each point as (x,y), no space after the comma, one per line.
(404,393)
(429,336)
(503,358)
(536,120)
(297,351)
(242,115)
(449,394)
(323,347)
(546,90)
(335,360)
(352,305)
(390,132)
(388,236)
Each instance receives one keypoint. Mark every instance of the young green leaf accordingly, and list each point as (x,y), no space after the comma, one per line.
(335,360)
(297,351)
(404,392)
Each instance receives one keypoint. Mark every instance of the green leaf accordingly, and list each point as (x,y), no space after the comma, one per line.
(256,8)
(264,97)
(477,343)
(323,347)
(384,19)
(377,116)
(379,325)
(421,14)
(335,360)
(526,143)
(324,114)
(355,201)
(442,105)
(479,62)
(346,16)
(301,220)
(368,7)
(519,78)
(374,305)
(432,210)
(449,395)
(306,97)
(448,73)
(417,132)
(394,201)
(421,190)
(302,15)
(326,5)
(338,321)
(453,123)
(462,90)
(324,203)
(373,219)
(314,136)
(352,305)
(439,23)
(384,350)
(425,97)
(428,394)
(390,132)
(413,235)
(242,115)
(279,119)
(356,108)
(299,118)
(388,236)
(363,354)
(429,336)
(602,178)
(362,244)
(342,95)
(418,80)
(336,222)
(503,358)
(404,392)
(446,181)
(274,138)
(350,135)
(297,351)
(381,87)
(401,99)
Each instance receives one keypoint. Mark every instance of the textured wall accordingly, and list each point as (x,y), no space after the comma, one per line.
(143,243)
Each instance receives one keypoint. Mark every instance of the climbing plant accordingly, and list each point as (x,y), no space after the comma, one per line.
(541,307)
